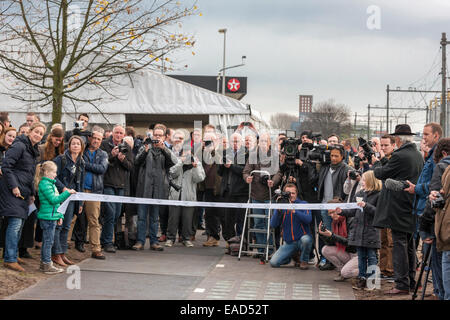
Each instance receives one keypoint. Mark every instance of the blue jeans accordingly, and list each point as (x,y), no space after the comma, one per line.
(48,235)
(326,219)
(261,223)
(366,257)
(436,268)
(446,273)
(153,211)
(285,252)
(111,215)
(13,233)
(62,231)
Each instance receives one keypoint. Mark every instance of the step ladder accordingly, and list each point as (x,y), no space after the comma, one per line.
(267,231)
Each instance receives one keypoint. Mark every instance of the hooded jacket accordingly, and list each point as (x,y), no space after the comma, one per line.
(50,199)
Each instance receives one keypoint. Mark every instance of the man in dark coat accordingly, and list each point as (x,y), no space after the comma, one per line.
(395,208)
(153,182)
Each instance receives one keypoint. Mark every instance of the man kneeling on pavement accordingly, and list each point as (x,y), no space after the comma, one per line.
(295,230)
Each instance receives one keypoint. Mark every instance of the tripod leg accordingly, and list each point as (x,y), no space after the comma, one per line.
(424,288)
(425,259)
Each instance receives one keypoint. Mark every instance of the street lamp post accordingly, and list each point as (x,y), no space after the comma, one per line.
(224,31)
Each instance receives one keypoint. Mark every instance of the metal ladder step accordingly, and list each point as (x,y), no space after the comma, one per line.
(258,230)
(260,216)
(261,246)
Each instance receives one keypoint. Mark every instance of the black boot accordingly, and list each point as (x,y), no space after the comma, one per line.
(23,253)
(80,246)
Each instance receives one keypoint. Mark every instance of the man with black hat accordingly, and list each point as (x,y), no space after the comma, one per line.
(394,209)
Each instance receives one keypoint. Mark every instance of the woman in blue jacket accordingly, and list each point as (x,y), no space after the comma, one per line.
(295,231)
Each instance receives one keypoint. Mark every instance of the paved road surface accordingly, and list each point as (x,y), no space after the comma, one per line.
(180,273)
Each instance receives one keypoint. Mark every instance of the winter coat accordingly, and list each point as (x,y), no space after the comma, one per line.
(295,223)
(153,179)
(427,219)
(339,176)
(395,208)
(442,220)
(188,178)
(18,168)
(238,186)
(97,168)
(2,154)
(422,189)
(50,200)
(363,234)
(72,174)
(259,191)
(117,175)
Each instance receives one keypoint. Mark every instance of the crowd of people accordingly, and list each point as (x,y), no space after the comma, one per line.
(41,167)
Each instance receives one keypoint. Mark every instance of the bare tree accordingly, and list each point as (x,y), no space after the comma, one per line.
(282,121)
(51,49)
(328,117)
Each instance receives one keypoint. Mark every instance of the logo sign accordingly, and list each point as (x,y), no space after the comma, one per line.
(233,85)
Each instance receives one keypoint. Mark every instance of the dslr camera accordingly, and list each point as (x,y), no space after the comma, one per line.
(150,140)
(439,202)
(282,196)
(367,148)
(354,174)
(123,148)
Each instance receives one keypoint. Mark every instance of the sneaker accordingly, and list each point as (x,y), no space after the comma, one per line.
(138,246)
(169,243)
(188,243)
(211,242)
(322,262)
(339,278)
(110,248)
(49,268)
(312,261)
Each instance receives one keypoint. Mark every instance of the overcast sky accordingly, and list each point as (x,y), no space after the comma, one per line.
(323,48)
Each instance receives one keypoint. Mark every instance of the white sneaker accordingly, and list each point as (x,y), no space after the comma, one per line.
(169,243)
(188,243)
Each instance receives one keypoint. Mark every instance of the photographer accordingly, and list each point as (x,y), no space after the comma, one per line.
(80,129)
(442,218)
(120,162)
(296,233)
(263,158)
(186,174)
(330,181)
(233,188)
(405,164)
(155,160)
(337,249)
(427,219)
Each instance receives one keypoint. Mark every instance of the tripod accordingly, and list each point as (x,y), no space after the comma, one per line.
(426,265)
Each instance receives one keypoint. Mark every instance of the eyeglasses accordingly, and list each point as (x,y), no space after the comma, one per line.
(158,135)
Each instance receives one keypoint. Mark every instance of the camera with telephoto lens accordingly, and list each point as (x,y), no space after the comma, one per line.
(282,196)
(123,148)
(367,148)
(353,174)
(439,202)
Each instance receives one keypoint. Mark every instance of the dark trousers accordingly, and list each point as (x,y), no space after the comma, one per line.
(197,219)
(404,260)
(163,219)
(177,215)
(212,215)
(27,237)
(233,218)
(80,228)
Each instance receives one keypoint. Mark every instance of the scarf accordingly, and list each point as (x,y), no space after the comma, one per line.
(339,227)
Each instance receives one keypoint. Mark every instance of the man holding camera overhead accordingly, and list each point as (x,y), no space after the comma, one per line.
(154,160)
(396,210)
(120,162)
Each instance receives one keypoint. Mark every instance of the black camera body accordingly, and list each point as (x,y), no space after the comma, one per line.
(353,174)
(289,148)
(123,148)
(367,148)
(264,179)
(323,228)
(439,202)
(283,196)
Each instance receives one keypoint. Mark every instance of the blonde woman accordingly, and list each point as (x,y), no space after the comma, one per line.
(363,235)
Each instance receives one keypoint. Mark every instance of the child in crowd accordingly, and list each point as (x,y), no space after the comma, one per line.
(364,236)
(48,215)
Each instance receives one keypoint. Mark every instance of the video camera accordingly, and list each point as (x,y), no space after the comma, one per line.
(289,147)
(315,152)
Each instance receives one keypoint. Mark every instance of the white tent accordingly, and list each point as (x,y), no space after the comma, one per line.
(145,93)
